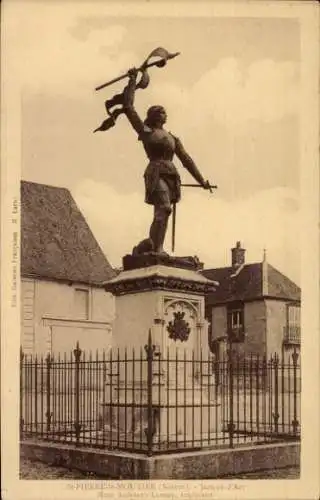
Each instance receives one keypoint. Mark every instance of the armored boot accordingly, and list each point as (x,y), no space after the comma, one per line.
(158,228)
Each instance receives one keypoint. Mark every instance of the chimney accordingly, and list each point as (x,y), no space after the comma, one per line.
(237,256)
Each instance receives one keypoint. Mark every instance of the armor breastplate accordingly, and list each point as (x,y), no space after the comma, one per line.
(159,145)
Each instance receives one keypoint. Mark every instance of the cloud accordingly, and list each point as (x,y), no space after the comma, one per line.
(80,49)
(118,220)
(86,30)
(206,225)
(268,219)
(233,94)
(47,57)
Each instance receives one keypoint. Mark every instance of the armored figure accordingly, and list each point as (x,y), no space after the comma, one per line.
(162,180)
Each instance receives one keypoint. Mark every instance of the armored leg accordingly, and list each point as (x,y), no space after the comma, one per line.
(158,228)
(162,211)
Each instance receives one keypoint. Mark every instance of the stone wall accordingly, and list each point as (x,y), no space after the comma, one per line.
(209,464)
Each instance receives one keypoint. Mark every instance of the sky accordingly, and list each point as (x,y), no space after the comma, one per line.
(232,97)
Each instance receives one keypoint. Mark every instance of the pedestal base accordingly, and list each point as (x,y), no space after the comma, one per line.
(152,259)
(150,297)
(185,419)
(160,339)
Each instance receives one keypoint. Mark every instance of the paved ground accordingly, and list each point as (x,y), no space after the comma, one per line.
(38,470)
(290,473)
(30,469)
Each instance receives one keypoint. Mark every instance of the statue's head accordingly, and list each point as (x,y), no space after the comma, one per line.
(156,115)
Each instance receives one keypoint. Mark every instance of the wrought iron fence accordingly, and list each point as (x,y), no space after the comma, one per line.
(153,402)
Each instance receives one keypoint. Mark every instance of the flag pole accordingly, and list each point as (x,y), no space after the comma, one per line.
(159,62)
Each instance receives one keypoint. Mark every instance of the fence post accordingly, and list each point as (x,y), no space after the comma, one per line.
(231,374)
(48,384)
(21,392)
(150,348)
(36,393)
(276,393)
(77,426)
(216,371)
(295,422)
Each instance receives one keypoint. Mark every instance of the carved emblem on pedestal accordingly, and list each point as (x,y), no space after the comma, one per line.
(178,328)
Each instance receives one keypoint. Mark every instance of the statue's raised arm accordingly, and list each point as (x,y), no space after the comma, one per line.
(128,102)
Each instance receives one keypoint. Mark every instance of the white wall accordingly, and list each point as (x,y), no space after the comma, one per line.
(52,322)
(276,322)
(218,321)
(64,334)
(27,316)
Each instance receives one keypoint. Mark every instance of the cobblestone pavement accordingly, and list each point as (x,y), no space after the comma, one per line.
(30,469)
(290,473)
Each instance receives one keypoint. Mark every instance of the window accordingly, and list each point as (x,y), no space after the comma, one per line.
(292,328)
(235,317)
(294,315)
(81,303)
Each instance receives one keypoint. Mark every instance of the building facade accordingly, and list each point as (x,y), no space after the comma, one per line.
(255,306)
(63,269)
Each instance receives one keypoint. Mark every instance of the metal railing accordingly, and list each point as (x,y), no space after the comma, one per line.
(153,402)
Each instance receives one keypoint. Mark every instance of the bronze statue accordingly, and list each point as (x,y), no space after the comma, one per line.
(162,180)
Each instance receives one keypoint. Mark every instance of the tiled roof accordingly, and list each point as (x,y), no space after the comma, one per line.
(253,281)
(56,241)
(280,286)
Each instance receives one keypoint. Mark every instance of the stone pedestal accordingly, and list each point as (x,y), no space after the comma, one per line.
(150,298)
(166,302)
